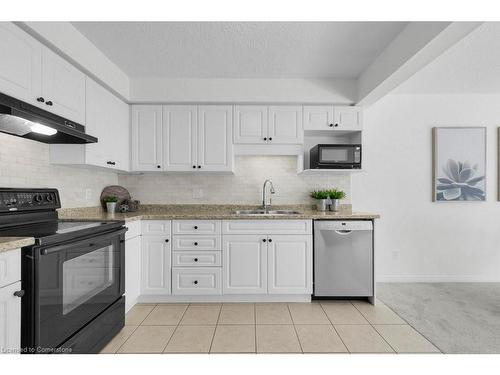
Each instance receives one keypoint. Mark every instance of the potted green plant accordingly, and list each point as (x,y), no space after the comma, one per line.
(335,197)
(110,201)
(322,199)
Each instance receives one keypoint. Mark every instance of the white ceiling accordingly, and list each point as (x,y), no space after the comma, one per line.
(470,66)
(241,49)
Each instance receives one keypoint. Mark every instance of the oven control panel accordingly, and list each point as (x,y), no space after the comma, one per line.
(12,200)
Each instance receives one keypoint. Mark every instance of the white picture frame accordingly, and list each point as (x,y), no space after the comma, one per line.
(459,164)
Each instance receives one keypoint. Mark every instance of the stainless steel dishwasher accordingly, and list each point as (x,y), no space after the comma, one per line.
(343,259)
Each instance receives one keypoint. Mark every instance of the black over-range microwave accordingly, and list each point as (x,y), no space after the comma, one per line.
(335,156)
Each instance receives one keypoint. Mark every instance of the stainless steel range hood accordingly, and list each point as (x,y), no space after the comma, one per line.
(25,120)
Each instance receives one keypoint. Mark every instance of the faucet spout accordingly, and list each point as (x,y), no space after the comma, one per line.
(266,206)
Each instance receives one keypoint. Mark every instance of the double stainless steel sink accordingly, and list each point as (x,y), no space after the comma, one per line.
(262,212)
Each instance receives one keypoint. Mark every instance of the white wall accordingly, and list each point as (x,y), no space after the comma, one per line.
(158,90)
(244,187)
(25,163)
(416,239)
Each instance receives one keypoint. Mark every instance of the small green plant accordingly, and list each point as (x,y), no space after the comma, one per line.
(336,194)
(320,194)
(110,199)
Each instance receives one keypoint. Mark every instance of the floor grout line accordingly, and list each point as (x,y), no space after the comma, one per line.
(140,324)
(294,328)
(335,329)
(175,329)
(215,330)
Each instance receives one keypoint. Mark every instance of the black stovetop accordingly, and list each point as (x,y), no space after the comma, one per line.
(55,231)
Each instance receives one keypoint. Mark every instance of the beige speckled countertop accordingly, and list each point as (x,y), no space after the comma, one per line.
(207,212)
(12,243)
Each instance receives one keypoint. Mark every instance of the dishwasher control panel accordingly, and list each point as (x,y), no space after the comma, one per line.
(344,225)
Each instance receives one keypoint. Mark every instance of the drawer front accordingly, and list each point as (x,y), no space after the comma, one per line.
(196,243)
(266,226)
(196,227)
(196,281)
(196,259)
(134,229)
(156,227)
(10,267)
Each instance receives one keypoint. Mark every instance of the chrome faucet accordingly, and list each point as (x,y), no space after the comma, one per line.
(266,206)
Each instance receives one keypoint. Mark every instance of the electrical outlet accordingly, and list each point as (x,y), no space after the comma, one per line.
(197,193)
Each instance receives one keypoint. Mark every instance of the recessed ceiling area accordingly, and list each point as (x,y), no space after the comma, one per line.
(470,66)
(241,49)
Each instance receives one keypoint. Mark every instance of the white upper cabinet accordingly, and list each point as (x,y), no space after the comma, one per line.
(348,118)
(250,124)
(179,137)
(146,138)
(108,119)
(268,124)
(20,64)
(318,117)
(190,138)
(215,138)
(285,125)
(63,87)
(33,73)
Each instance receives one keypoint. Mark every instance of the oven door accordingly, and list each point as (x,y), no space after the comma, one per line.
(340,155)
(76,281)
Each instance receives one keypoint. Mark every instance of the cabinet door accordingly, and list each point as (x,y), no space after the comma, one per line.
(250,124)
(290,264)
(179,137)
(120,134)
(245,264)
(285,125)
(63,87)
(146,138)
(155,266)
(318,117)
(10,318)
(215,138)
(132,271)
(20,64)
(348,118)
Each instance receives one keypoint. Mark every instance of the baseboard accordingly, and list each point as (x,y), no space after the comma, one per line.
(226,298)
(437,279)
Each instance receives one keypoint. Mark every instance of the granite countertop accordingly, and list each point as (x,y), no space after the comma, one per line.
(208,212)
(12,243)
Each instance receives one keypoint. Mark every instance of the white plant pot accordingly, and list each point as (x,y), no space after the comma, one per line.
(111,207)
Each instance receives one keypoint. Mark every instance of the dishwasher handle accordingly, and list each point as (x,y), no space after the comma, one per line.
(343,232)
(343,226)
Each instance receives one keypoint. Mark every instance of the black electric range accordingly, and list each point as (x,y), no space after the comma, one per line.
(73,276)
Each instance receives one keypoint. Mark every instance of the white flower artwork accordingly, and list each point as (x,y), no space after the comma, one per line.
(459,158)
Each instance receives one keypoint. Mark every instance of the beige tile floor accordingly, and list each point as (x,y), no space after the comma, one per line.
(316,327)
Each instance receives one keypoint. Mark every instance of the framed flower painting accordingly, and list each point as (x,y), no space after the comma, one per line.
(459,164)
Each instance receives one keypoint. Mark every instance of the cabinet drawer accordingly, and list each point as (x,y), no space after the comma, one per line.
(156,227)
(267,227)
(194,281)
(196,227)
(134,229)
(196,259)
(196,242)
(10,267)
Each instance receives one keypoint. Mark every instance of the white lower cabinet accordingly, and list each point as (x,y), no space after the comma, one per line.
(289,264)
(10,319)
(196,281)
(155,265)
(132,271)
(245,264)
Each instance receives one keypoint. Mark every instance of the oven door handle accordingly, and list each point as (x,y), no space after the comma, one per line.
(89,242)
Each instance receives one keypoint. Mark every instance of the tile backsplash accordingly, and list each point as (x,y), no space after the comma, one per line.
(25,163)
(244,187)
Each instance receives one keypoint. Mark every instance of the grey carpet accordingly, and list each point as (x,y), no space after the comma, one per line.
(456,317)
